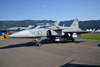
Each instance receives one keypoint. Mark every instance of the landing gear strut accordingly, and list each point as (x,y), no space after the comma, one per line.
(37,41)
(73,40)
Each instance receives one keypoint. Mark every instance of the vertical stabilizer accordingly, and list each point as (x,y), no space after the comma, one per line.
(57,22)
(75,23)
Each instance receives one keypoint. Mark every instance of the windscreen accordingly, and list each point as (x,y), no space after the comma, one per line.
(43,25)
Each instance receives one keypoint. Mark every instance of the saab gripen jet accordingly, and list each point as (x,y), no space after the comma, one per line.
(46,31)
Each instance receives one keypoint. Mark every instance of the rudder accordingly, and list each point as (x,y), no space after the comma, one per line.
(75,23)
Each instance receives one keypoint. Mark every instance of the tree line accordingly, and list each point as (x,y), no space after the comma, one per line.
(90,24)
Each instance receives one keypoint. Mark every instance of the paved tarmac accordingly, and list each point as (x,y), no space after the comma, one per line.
(22,52)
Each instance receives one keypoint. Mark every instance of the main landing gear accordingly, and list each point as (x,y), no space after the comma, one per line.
(72,39)
(37,41)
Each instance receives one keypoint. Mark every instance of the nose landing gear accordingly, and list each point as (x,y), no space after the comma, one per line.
(37,41)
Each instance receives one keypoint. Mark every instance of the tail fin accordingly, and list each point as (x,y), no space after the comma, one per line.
(75,23)
(57,22)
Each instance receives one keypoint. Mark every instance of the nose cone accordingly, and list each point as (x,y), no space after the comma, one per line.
(19,34)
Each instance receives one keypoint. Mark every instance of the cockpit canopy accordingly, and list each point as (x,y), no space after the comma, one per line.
(43,25)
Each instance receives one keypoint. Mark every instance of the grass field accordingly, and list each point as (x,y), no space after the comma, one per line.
(90,36)
(1,38)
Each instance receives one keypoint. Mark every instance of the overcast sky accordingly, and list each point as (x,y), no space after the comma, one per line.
(49,9)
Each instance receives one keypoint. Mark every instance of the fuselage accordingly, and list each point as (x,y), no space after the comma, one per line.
(41,32)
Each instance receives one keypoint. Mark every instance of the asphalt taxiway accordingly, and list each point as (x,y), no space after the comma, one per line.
(22,52)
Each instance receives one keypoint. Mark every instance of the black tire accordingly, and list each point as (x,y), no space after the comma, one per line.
(73,40)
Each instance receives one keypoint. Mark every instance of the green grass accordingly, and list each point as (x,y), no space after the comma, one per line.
(90,36)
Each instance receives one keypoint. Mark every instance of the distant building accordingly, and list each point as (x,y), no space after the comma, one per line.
(94,31)
(87,30)
(91,30)
(98,30)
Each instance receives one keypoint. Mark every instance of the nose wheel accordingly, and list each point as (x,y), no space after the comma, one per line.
(38,44)
(37,41)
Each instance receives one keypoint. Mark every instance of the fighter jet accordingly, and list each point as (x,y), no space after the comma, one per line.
(47,31)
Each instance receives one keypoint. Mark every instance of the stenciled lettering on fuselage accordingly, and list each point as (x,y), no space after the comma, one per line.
(37,32)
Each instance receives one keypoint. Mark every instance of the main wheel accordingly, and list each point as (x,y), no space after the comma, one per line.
(73,40)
